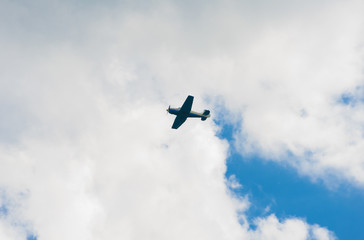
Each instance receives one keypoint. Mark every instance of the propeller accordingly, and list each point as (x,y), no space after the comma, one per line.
(169,107)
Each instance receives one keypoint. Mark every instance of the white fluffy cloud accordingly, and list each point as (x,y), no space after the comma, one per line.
(8,232)
(86,152)
(271,228)
(284,69)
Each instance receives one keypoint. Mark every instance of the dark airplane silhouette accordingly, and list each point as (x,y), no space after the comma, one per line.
(185,112)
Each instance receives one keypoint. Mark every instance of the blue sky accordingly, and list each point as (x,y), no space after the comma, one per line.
(287,194)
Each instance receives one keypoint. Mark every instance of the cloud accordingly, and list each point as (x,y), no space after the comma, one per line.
(8,232)
(284,70)
(87,153)
(293,228)
(233,183)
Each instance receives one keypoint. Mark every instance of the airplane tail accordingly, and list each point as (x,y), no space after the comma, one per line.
(205,113)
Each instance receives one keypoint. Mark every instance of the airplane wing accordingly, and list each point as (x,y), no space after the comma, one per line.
(179,121)
(187,105)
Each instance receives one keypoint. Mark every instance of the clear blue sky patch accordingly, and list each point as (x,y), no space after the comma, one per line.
(278,189)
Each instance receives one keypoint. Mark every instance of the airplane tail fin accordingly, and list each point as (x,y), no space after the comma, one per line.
(205,113)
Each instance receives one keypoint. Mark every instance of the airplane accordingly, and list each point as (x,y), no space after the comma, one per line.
(184,112)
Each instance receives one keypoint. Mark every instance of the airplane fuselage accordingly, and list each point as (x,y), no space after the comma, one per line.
(191,114)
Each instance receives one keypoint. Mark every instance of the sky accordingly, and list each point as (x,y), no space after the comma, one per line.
(87,150)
